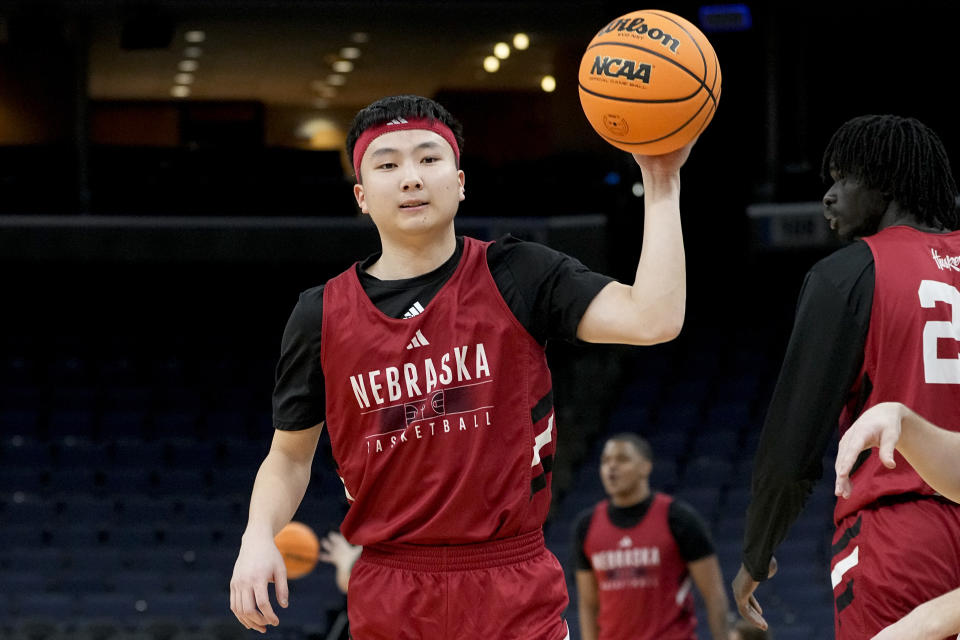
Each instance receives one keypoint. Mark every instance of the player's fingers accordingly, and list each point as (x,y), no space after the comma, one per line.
(887,445)
(235,608)
(756,612)
(281,586)
(843,487)
(248,608)
(263,604)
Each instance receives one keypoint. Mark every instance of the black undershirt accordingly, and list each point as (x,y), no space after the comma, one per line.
(547,291)
(687,527)
(823,358)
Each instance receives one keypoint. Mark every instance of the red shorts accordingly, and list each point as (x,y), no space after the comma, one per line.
(510,589)
(889,558)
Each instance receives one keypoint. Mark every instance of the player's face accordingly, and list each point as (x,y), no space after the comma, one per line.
(852,209)
(623,470)
(411,183)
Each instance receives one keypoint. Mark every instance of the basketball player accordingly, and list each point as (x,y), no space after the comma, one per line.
(933,452)
(426,363)
(638,553)
(877,321)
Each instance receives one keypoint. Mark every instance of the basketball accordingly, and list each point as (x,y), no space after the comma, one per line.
(300,548)
(649,82)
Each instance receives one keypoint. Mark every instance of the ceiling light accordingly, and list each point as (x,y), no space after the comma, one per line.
(491,64)
(180,91)
(350,53)
(336,80)
(501,50)
(188,66)
(195,36)
(548,83)
(521,41)
(183,78)
(359,37)
(192,52)
(342,66)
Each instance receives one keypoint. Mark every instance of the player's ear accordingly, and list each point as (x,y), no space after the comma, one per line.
(361,198)
(462,178)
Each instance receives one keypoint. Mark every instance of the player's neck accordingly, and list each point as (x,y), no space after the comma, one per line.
(896,215)
(409,259)
(635,497)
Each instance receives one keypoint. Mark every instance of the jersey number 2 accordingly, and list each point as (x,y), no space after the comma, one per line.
(940,370)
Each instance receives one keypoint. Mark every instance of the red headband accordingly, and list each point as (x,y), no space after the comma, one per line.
(399,124)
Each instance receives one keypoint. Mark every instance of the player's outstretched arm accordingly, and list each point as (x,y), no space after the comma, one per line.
(930,450)
(932,620)
(587,604)
(652,309)
(280,485)
(708,579)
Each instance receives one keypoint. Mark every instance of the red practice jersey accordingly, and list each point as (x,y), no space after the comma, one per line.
(441,425)
(643,585)
(912,353)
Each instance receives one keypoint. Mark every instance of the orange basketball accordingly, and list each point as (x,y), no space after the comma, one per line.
(649,82)
(300,548)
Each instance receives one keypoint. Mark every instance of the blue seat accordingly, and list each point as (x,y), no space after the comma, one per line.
(125,481)
(135,453)
(70,422)
(705,500)
(54,606)
(118,607)
(71,480)
(28,509)
(15,479)
(43,560)
(715,441)
(139,583)
(22,421)
(86,509)
(179,482)
(190,453)
(706,471)
(122,423)
(174,423)
(72,536)
(143,536)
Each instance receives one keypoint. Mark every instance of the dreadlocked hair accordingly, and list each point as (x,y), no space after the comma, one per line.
(900,157)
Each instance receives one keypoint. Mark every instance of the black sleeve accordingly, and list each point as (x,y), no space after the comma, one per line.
(690,532)
(547,291)
(823,359)
(299,397)
(581,524)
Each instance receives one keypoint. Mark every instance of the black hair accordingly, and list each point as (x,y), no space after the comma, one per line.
(641,445)
(900,157)
(403,106)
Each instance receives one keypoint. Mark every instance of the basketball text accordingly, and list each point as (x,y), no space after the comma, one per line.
(638,26)
(620,68)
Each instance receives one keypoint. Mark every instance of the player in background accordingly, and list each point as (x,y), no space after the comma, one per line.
(426,364)
(933,452)
(877,321)
(639,552)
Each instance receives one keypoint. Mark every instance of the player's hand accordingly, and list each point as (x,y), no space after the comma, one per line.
(666,163)
(743,587)
(878,426)
(258,564)
(335,549)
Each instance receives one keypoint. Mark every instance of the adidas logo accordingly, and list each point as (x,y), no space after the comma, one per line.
(397,121)
(415,310)
(625,542)
(418,341)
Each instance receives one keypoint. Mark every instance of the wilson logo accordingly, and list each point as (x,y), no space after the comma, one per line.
(639,27)
(620,68)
